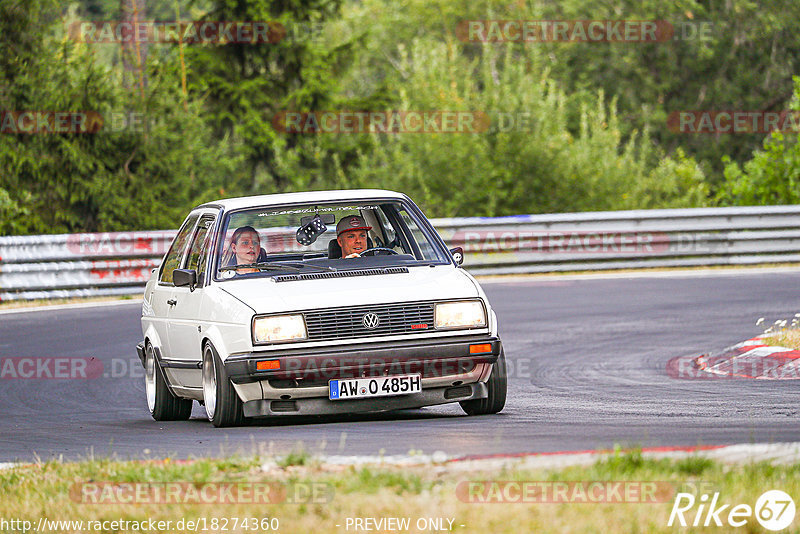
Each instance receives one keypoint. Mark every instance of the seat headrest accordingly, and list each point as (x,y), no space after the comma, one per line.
(334,250)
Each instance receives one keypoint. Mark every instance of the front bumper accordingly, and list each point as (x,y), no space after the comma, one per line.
(305,367)
(451,371)
(323,406)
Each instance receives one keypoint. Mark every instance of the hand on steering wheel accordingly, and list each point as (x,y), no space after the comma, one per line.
(377,249)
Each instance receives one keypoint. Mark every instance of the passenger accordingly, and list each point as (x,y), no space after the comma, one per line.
(351,234)
(245,249)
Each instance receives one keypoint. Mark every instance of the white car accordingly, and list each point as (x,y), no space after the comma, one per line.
(254,312)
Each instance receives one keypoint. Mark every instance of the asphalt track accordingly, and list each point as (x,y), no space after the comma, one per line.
(587,370)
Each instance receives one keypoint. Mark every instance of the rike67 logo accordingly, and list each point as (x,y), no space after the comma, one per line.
(774,510)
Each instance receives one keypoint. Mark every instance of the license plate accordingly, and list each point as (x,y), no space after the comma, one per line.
(379,386)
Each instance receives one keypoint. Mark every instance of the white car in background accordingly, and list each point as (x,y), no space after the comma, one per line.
(277,323)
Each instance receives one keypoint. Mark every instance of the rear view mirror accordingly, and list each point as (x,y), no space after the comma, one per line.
(327,218)
(458,255)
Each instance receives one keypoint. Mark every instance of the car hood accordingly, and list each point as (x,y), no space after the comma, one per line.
(420,283)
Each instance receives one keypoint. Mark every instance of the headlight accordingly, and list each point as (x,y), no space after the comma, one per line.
(279,328)
(463,314)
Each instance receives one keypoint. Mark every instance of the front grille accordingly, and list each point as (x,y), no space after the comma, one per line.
(347,323)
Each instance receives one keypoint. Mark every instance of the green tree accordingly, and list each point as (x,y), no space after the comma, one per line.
(533,163)
(145,176)
(733,55)
(245,85)
(772,176)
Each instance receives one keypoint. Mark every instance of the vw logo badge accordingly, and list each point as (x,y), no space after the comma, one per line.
(371,321)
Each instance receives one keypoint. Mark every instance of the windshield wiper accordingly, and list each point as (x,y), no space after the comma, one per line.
(261,265)
(301,265)
(277,266)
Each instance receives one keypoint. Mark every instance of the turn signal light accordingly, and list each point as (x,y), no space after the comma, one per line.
(480,349)
(268,365)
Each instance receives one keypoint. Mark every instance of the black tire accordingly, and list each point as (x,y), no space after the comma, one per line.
(223,405)
(497,385)
(163,405)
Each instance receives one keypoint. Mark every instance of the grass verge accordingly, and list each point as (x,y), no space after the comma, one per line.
(317,496)
(789,338)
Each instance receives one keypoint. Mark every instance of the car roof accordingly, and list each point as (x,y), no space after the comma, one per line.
(308,196)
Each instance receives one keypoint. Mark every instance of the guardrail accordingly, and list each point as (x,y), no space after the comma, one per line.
(79,265)
(56,266)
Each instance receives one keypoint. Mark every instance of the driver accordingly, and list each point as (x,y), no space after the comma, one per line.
(351,234)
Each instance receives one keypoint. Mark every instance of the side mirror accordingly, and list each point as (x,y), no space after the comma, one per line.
(184,277)
(458,255)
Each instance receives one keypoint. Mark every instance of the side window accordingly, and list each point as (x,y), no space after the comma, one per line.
(388,229)
(173,258)
(198,253)
(425,248)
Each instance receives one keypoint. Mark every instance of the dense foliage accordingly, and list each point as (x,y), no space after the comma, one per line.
(573,126)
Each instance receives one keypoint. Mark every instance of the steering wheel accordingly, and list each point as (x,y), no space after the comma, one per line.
(379,249)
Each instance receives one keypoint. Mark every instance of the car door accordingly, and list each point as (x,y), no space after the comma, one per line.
(185,324)
(162,295)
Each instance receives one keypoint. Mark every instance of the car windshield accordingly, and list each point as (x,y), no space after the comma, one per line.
(315,237)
